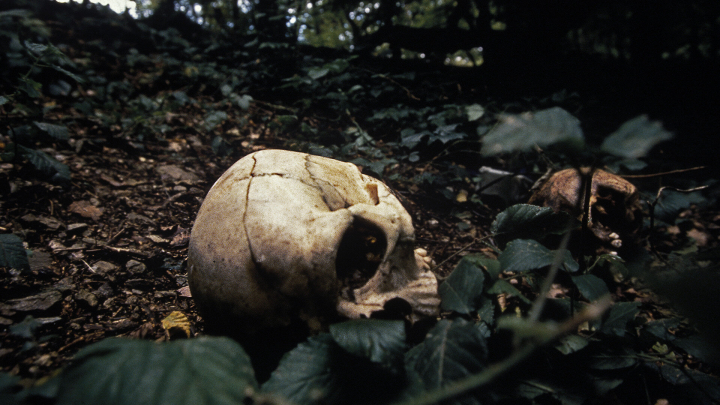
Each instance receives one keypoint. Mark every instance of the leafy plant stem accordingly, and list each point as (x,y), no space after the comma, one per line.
(584,204)
(539,303)
(494,371)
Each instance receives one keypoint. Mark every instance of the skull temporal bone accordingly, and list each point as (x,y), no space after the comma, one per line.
(275,234)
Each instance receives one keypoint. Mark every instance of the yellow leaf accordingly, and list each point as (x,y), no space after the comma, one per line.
(176,321)
(462,196)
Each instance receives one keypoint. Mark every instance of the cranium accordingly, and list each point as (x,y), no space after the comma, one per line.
(285,236)
(614,212)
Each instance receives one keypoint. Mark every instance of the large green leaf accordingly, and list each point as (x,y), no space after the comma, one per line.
(591,287)
(55,131)
(9,385)
(462,290)
(305,374)
(527,254)
(134,372)
(47,165)
(517,133)
(380,341)
(672,202)
(617,319)
(451,350)
(532,222)
(635,138)
(12,252)
(320,371)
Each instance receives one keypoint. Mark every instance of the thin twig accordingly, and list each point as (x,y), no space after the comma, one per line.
(643,176)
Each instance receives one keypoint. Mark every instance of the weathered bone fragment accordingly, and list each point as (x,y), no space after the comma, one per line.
(615,213)
(285,236)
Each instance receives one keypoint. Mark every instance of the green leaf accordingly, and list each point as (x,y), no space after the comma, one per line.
(214,119)
(462,290)
(527,254)
(618,317)
(305,374)
(590,286)
(30,87)
(47,165)
(571,344)
(9,385)
(474,112)
(695,387)
(134,372)
(699,347)
(451,350)
(4,100)
(672,202)
(503,287)
(69,74)
(517,133)
(611,361)
(410,138)
(56,131)
(532,222)
(659,329)
(244,101)
(380,341)
(12,252)
(320,371)
(25,329)
(37,49)
(445,134)
(317,73)
(635,138)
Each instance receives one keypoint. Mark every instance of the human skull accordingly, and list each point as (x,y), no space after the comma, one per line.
(615,212)
(285,236)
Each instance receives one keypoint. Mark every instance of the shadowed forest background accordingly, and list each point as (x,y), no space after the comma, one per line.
(113,127)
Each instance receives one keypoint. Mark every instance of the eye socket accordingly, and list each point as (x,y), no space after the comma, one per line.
(360,253)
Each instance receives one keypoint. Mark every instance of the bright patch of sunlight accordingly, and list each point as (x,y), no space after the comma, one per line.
(117,6)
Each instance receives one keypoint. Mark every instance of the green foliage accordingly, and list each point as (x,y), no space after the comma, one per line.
(461,290)
(616,321)
(12,252)
(47,165)
(525,221)
(358,362)
(197,371)
(635,138)
(452,350)
(527,254)
(541,128)
(381,342)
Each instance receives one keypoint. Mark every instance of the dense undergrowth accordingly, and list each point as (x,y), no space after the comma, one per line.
(415,129)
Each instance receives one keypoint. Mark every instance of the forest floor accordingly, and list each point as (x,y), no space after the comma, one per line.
(108,249)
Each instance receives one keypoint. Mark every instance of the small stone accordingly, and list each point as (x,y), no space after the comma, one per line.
(135,267)
(39,302)
(165,294)
(87,297)
(103,267)
(77,227)
(64,284)
(157,239)
(48,321)
(104,291)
